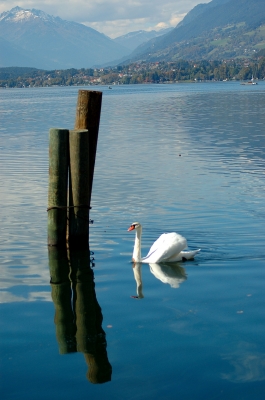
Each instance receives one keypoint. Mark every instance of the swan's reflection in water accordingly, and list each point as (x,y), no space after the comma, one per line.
(78,317)
(137,271)
(171,273)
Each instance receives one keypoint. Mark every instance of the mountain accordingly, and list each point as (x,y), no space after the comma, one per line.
(10,54)
(32,38)
(199,9)
(134,39)
(220,29)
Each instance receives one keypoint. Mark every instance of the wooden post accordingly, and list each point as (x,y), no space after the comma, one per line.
(58,264)
(79,188)
(58,180)
(88,117)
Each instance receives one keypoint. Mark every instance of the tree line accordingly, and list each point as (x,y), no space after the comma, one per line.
(136,73)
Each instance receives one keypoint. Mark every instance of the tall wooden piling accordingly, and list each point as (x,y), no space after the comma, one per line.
(88,117)
(78,151)
(79,188)
(58,180)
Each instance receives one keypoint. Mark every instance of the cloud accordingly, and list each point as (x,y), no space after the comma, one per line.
(248,364)
(175,19)
(247,368)
(113,17)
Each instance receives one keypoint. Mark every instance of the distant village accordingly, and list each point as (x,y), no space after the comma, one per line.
(136,73)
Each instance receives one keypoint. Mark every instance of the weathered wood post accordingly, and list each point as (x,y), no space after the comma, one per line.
(79,188)
(58,180)
(78,151)
(88,117)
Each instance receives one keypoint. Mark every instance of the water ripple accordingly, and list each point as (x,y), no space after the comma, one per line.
(181,158)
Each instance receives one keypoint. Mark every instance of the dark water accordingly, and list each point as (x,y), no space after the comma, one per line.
(187,158)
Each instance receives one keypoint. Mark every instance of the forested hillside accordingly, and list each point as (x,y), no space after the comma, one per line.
(230,29)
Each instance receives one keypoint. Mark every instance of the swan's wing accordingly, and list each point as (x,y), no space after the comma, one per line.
(189,255)
(166,246)
(158,243)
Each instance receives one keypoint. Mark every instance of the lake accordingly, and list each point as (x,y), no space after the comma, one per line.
(186,158)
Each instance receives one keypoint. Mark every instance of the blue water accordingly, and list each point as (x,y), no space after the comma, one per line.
(187,158)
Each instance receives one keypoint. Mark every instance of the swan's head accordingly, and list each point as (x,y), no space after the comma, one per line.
(135,225)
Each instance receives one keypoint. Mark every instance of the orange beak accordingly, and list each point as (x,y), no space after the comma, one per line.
(132,227)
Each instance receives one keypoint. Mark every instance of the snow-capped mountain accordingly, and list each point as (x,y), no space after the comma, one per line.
(18,14)
(32,38)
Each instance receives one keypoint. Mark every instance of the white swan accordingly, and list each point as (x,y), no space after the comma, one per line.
(167,248)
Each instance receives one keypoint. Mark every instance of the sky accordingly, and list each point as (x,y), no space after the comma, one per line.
(113,17)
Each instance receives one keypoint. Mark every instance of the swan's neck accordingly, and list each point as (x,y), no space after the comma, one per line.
(137,246)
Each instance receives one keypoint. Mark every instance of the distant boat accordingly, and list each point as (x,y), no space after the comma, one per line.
(251,82)
(110,87)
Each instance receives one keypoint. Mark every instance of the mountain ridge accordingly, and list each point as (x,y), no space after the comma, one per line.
(220,29)
(199,9)
(219,15)
(133,39)
(54,43)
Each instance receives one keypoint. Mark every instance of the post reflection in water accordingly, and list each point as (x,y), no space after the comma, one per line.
(172,273)
(78,317)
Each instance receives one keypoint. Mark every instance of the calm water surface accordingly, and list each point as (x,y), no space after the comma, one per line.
(187,158)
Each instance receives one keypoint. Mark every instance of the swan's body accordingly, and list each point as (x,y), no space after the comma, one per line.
(169,247)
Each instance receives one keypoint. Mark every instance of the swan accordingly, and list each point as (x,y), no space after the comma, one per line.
(167,248)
